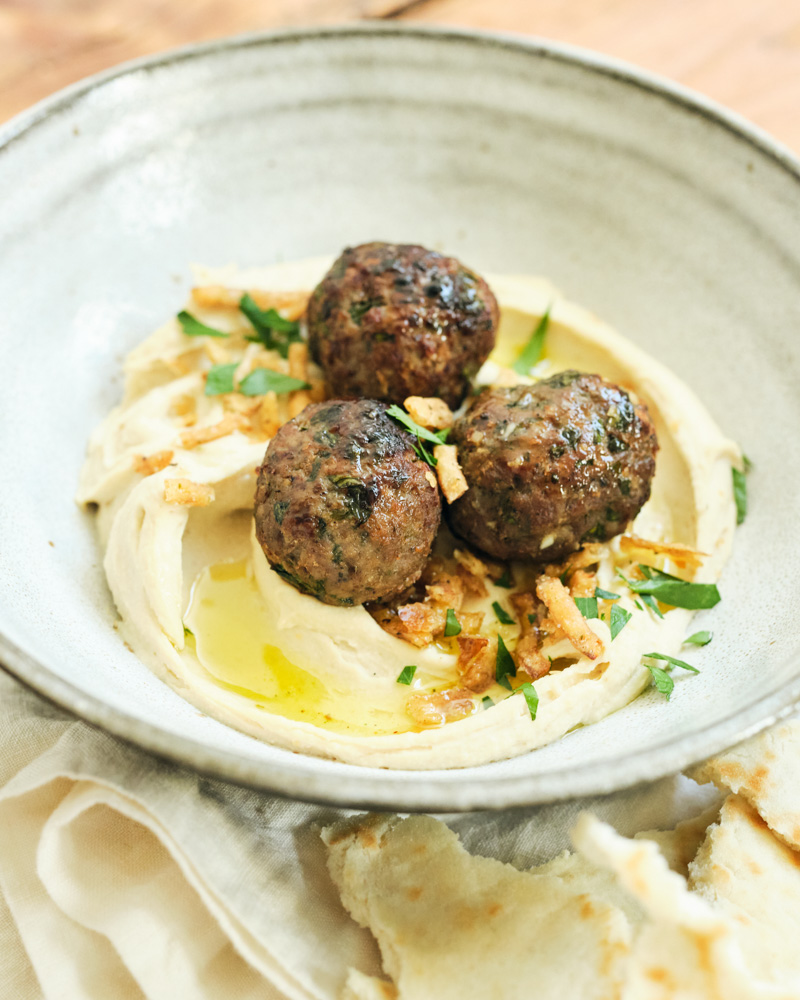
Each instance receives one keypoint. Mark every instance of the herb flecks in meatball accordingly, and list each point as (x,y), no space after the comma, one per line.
(552,466)
(344,508)
(391,320)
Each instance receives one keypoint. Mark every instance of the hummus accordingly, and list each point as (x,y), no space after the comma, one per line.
(201,606)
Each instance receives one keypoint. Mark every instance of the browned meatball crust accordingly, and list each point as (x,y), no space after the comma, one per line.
(391,320)
(344,508)
(552,466)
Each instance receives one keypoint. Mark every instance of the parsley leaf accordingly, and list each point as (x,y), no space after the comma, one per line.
(487,702)
(422,433)
(406,675)
(192,326)
(740,493)
(501,614)
(673,661)
(699,638)
(188,631)
(587,606)
(605,595)
(661,679)
(672,590)
(532,351)
(220,379)
(272,330)
(618,620)
(504,665)
(263,380)
(650,601)
(505,580)
(531,697)
(451,625)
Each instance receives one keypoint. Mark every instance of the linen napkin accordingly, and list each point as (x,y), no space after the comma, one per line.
(122,876)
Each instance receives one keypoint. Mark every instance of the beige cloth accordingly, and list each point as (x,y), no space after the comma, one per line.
(122,876)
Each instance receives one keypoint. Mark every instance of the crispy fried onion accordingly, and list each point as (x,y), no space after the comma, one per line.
(451,478)
(563,610)
(146,465)
(440,707)
(681,555)
(292,305)
(476,662)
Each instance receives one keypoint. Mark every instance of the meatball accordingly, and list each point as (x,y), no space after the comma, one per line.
(390,321)
(344,508)
(552,466)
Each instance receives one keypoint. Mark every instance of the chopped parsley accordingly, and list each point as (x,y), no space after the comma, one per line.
(487,702)
(699,638)
(740,489)
(618,620)
(188,631)
(532,351)
(358,499)
(220,379)
(263,380)
(274,331)
(504,665)
(192,327)
(501,614)
(406,675)
(587,606)
(661,678)
(651,603)
(605,595)
(505,580)
(528,691)
(451,625)
(672,590)
(421,433)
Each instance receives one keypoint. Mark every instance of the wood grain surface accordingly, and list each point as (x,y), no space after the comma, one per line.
(743,53)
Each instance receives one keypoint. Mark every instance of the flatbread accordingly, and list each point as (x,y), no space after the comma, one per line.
(453,925)
(747,873)
(763,771)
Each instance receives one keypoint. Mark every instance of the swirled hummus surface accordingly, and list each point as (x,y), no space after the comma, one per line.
(172,474)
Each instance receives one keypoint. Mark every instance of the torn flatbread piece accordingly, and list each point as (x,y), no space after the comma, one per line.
(763,770)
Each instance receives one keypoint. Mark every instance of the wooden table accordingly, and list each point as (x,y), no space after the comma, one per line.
(744,53)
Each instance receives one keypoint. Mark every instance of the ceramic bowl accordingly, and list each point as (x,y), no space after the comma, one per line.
(668,216)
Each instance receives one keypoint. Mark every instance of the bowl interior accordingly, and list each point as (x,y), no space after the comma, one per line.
(670,221)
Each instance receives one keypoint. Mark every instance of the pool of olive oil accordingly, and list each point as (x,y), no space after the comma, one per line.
(232,640)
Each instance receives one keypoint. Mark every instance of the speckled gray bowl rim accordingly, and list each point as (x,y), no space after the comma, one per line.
(364,787)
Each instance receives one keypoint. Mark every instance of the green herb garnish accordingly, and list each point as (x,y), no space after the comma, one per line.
(187,631)
(531,697)
(192,327)
(487,702)
(672,590)
(673,661)
(699,639)
(650,601)
(740,490)
(587,606)
(358,499)
(451,625)
(263,380)
(421,433)
(532,351)
(504,665)
(661,678)
(407,675)
(605,595)
(505,580)
(220,379)
(272,330)
(501,614)
(618,620)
